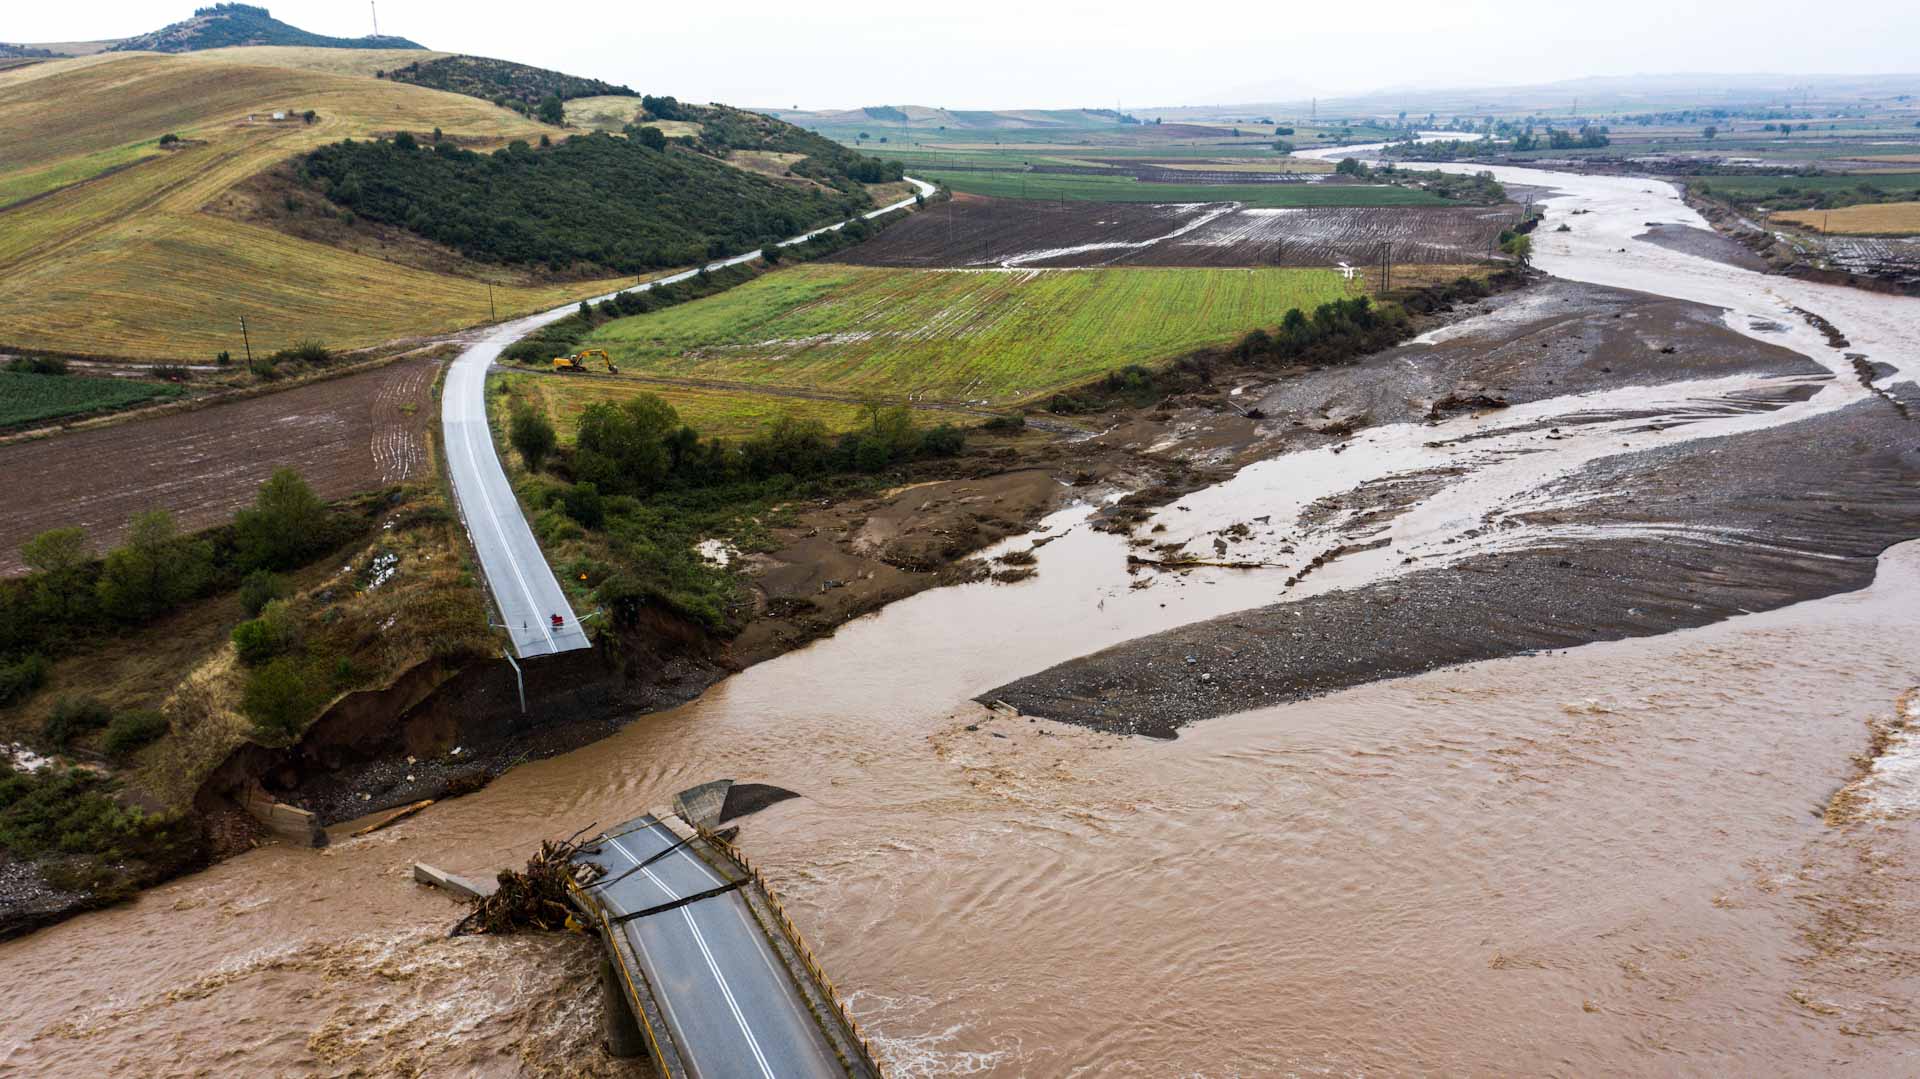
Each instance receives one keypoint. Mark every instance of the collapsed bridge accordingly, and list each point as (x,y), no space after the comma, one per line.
(704,971)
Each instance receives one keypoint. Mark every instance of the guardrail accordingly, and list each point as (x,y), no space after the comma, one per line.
(800,948)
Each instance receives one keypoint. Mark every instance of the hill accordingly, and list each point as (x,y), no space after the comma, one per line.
(592,201)
(243,24)
(501,81)
(112,245)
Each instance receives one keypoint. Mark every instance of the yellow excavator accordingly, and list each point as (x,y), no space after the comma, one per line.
(578,361)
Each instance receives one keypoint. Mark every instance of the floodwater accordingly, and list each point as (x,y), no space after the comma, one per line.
(1624,857)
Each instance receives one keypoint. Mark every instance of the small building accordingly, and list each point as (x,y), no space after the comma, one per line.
(280,115)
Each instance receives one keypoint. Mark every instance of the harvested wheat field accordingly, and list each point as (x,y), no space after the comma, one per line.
(1880,219)
(108,246)
(1005,233)
(347,434)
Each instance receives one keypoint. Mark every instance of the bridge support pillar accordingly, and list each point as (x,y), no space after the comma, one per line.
(624,1039)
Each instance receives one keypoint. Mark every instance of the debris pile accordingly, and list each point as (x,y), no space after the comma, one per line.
(533,898)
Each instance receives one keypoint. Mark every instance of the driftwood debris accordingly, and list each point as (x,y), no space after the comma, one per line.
(1190,563)
(533,898)
(392,818)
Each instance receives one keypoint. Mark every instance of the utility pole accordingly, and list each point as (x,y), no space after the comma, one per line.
(493,313)
(248,341)
(1387,278)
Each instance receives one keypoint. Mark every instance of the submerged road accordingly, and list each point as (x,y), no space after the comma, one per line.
(524,587)
(729,1004)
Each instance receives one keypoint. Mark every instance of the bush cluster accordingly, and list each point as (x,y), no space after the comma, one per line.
(69,595)
(589,202)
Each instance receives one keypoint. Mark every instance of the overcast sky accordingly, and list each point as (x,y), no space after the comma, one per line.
(1041,54)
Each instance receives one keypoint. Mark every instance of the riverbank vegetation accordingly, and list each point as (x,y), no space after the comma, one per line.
(624,503)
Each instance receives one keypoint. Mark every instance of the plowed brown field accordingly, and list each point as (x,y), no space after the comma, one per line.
(1007,233)
(344,435)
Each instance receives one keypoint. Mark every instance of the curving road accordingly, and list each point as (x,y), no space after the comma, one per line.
(524,587)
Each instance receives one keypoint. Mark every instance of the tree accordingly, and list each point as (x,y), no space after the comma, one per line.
(1710,132)
(1520,248)
(652,138)
(59,558)
(310,116)
(622,449)
(155,571)
(279,698)
(531,434)
(1283,146)
(553,111)
(286,525)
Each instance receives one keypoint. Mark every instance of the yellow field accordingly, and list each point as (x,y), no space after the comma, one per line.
(1885,219)
(130,264)
(715,413)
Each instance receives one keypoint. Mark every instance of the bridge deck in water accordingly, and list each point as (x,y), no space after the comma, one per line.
(720,983)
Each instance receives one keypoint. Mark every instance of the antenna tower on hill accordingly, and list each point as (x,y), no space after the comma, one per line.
(374,5)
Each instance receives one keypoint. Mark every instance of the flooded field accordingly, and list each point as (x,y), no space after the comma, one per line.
(1690,852)
(971,232)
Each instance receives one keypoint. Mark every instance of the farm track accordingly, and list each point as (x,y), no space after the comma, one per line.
(343,435)
(985,233)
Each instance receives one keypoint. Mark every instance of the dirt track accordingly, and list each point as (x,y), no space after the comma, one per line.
(971,231)
(344,435)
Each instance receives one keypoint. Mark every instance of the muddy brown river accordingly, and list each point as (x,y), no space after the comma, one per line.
(1625,857)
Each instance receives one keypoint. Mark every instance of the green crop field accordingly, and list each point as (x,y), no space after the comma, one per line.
(1761,186)
(1023,185)
(28,398)
(994,335)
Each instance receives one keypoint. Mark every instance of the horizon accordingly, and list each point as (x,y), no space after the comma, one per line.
(771,54)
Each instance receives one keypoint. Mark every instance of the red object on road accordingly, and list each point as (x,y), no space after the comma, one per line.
(558,621)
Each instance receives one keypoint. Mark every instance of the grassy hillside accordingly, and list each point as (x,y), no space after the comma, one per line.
(131,263)
(954,334)
(242,24)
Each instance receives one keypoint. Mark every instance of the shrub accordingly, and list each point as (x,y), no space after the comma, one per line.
(1005,423)
(273,633)
(309,351)
(286,524)
(531,434)
(169,139)
(945,440)
(72,717)
(582,503)
(20,678)
(280,698)
(259,588)
(131,730)
(37,365)
(156,571)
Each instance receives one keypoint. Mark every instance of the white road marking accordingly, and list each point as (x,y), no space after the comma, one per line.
(701,940)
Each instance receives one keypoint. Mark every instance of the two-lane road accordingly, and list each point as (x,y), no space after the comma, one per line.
(524,587)
(729,1002)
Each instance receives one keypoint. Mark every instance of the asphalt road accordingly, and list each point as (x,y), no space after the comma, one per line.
(524,588)
(730,1005)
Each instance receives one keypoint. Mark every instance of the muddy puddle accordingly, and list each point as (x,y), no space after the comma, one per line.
(1620,857)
